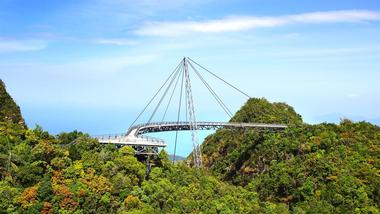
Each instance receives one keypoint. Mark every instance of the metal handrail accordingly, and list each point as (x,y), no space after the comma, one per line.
(134,139)
(139,137)
(231,124)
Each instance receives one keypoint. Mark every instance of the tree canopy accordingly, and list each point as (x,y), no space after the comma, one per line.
(324,168)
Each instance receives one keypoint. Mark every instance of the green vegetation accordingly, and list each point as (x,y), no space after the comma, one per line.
(9,110)
(261,111)
(42,175)
(322,168)
(325,168)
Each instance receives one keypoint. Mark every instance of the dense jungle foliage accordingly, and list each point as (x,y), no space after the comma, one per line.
(324,168)
(40,176)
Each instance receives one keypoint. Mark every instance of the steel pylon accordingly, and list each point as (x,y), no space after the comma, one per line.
(197,154)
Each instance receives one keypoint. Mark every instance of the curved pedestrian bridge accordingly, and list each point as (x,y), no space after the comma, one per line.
(135,135)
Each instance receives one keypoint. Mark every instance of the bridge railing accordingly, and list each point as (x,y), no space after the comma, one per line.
(139,127)
(109,136)
(203,123)
(124,136)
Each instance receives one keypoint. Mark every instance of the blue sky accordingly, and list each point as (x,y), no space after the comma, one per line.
(92,65)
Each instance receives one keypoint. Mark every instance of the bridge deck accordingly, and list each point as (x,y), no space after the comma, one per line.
(135,137)
(180,126)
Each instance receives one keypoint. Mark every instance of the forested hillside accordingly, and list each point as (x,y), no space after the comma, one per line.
(39,175)
(325,168)
(9,110)
(322,168)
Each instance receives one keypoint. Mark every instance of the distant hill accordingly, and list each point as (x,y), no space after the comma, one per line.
(177,157)
(9,110)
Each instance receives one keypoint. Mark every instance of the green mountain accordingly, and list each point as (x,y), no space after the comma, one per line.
(325,168)
(9,110)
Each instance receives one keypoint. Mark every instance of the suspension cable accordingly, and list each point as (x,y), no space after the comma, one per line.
(216,97)
(219,78)
(150,101)
(223,81)
(163,96)
(178,115)
(171,96)
(185,105)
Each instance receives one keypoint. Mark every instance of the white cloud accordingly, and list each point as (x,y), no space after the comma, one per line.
(115,41)
(241,23)
(7,45)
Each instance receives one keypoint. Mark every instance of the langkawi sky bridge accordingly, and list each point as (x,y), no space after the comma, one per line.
(179,79)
